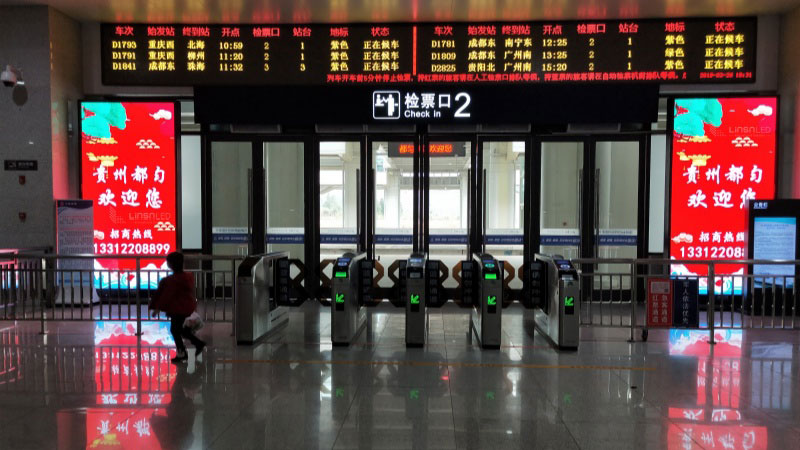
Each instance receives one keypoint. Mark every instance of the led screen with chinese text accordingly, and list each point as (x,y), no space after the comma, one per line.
(723,156)
(128,171)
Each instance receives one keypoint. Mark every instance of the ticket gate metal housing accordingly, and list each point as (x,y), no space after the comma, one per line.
(485,318)
(416,300)
(348,314)
(557,316)
(258,312)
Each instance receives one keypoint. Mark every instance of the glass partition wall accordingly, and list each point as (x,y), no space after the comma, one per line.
(462,194)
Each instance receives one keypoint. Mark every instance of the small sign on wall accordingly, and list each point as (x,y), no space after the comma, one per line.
(21,164)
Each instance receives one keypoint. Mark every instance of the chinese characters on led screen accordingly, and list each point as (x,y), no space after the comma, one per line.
(723,156)
(128,170)
(664,51)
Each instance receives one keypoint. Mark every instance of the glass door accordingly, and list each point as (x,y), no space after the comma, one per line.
(394,178)
(339,187)
(285,202)
(616,206)
(504,202)
(231,196)
(561,198)
(448,166)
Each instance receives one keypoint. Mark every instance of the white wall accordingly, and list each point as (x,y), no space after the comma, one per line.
(42,43)
(191,195)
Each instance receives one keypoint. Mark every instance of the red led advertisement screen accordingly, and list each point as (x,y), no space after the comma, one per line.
(723,155)
(128,170)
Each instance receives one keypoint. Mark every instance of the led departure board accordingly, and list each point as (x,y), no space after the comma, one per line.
(659,51)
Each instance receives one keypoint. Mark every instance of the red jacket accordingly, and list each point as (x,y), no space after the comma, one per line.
(175,295)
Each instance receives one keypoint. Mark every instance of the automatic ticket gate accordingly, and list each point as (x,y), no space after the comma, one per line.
(557,315)
(416,300)
(348,314)
(258,309)
(485,318)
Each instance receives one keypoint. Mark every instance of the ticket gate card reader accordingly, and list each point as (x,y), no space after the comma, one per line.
(348,315)
(416,300)
(558,316)
(486,312)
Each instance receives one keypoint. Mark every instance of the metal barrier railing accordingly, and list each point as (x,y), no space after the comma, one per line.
(613,293)
(47,287)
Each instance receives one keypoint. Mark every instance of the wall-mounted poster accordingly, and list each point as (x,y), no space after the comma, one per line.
(723,156)
(128,170)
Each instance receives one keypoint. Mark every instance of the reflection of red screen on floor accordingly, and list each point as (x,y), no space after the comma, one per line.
(723,155)
(122,429)
(128,170)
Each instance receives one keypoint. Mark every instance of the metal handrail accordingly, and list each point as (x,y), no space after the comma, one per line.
(126,257)
(665,261)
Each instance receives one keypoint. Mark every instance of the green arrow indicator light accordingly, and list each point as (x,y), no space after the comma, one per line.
(339,298)
(414,299)
(414,394)
(491,300)
(569,301)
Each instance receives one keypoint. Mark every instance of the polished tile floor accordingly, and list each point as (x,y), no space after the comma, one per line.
(96,385)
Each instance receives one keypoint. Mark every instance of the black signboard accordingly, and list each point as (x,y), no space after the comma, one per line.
(21,164)
(589,52)
(685,303)
(540,104)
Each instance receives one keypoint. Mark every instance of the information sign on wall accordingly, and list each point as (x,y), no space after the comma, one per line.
(723,156)
(128,170)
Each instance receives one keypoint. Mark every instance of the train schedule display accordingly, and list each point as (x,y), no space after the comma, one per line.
(659,51)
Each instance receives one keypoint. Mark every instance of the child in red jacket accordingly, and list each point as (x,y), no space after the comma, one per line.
(175,296)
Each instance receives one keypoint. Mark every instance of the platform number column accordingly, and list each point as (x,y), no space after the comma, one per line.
(629,30)
(302,32)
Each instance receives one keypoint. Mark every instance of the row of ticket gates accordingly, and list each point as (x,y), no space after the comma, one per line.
(263,290)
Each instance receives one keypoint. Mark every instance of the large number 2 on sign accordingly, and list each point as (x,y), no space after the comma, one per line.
(461,111)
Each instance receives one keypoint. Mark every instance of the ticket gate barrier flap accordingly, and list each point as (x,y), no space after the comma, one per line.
(486,313)
(348,315)
(366,280)
(258,312)
(415,289)
(536,285)
(436,296)
(468,280)
(558,316)
(399,300)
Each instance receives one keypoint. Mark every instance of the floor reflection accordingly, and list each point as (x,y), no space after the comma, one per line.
(102,386)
